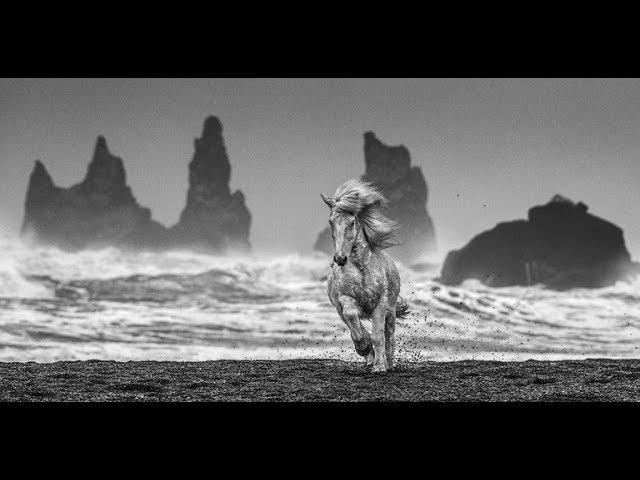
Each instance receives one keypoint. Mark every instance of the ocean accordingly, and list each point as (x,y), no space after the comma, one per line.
(177,305)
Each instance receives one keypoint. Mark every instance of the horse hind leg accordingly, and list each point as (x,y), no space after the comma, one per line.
(351,316)
(389,333)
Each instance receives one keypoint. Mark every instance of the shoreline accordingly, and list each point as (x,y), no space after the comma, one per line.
(320,380)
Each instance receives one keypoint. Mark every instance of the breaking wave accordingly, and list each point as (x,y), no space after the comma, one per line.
(178,305)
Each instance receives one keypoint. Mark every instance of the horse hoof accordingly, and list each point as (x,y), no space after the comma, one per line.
(364,351)
(370,359)
(379,369)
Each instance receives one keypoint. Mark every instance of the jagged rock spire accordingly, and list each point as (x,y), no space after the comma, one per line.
(213,216)
(99,211)
(40,188)
(209,170)
(106,171)
(102,211)
(212,127)
(40,177)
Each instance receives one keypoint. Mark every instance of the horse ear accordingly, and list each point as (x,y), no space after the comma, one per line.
(329,201)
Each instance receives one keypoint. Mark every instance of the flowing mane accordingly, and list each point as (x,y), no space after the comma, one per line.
(362,199)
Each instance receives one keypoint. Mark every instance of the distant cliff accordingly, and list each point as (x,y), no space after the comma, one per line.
(389,168)
(102,211)
(561,245)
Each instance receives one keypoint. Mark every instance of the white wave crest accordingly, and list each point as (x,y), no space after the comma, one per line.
(118,305)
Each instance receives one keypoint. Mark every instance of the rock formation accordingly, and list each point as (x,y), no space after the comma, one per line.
(101,210)
(214,218)
(561,245)
(389,168)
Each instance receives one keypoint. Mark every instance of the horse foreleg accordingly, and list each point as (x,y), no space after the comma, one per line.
(370,358)
(378,337)
(359,335)
(389,330)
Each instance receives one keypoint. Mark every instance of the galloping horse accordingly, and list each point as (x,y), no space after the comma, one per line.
(364,282)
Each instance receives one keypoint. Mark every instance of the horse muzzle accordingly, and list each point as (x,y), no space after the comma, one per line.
(340,259)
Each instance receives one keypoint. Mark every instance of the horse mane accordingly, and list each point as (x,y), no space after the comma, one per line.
(365,201)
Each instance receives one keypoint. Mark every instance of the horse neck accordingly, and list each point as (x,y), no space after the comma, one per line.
(363,252)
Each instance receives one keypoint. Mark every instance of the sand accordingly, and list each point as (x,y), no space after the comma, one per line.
(320,380)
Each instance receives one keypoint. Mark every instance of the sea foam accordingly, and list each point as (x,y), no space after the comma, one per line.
(179,305)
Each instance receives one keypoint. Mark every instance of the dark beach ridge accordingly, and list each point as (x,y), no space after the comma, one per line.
(321,380)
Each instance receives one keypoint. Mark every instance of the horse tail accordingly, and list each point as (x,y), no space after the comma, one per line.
(402,308)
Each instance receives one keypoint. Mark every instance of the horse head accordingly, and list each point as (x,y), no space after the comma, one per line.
(343,231)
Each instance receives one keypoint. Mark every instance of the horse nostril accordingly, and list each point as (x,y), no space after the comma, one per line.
(340,259)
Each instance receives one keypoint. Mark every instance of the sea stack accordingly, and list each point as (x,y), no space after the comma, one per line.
(214,218)
(389,168)
(102,211)
(560,245)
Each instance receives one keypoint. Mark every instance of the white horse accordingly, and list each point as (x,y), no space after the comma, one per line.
(364,282)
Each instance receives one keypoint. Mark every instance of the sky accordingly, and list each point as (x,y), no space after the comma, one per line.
(489,148)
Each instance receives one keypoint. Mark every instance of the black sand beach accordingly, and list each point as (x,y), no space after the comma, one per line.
(320,380)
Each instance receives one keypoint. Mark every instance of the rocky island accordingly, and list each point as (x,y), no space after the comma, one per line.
(102,211)
(560,245)
(390,169)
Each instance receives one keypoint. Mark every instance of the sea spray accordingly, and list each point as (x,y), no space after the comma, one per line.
(179,305)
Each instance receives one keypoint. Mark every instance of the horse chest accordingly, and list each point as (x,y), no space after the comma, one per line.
(364,288)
